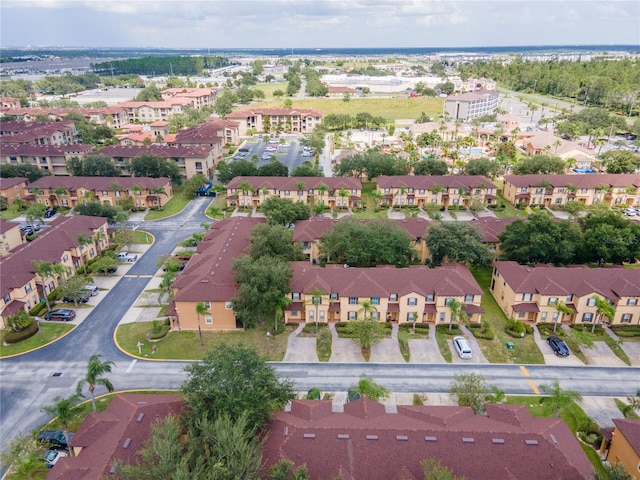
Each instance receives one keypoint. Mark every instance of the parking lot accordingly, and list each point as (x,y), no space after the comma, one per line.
(287,150)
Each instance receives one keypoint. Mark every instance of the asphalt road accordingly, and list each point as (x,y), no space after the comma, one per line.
(290,156)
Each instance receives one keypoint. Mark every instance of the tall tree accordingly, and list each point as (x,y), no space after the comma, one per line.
(557,397)
(456,312)
(457,242)
(201,309)
(96,368)
(472,391)
(62,409)
(603,309)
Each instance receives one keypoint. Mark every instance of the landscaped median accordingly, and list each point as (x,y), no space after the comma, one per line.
(47,333)
(185,345)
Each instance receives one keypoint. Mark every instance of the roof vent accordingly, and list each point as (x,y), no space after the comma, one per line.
(140,417)
(285,431)
(553,438)
(430,439)
(126,443)
(499,441)
(531,442)
(217,264)
(343,436)
(204,280)
(372,437)
(309,435)
(468,440)
(402,438)
(219,258)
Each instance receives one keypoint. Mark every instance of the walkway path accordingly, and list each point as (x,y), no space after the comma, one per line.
(632,349)
(343,350)
(426,350)
(300,349)
(388,350)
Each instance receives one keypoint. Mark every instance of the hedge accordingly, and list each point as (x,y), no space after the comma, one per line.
(626,330)
(455,330)
(482,330)
(15,337)
(161,332)
(37,310)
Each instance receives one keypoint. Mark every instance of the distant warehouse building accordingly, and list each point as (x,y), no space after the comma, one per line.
(470,105)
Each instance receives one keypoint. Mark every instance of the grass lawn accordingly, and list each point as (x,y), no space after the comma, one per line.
(49,331)
(172,207)
(443,337)
(572,414)
(184,345)
(621,406)
(510,210)
(323,339)
(12,212)
(388,108)
(142,237)
(269,88)
(404,335)
(526,351)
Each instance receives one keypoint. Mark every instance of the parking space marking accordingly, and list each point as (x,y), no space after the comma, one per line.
(534,387)
(524,371)
(131,365)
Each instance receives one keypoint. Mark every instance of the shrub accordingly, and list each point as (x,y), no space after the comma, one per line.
(27,332)
(417,399)
(160,332)
(587,328)
(626,330)
(314,394)
(455,330)
(482,330)
(516,327)
(38,309)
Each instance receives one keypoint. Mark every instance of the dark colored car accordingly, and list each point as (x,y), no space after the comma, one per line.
(49,213)
(75,299)
(27,232)
(55,438)
(62,314)
(558,346)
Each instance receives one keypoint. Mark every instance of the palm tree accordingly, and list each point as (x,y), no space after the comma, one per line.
(562,309)
(120,218)
(46,270)
(603,309)
(158,191)
(556,144)
(83,241)
(95,369)
(201,309)
(343,193)
(557,397)
(323,188)
(316,300)
(165,286)
(136,191)
(456,312)
(62,409)
(282,303)
(301,187)
(57,192)
(99,238)
(265,192)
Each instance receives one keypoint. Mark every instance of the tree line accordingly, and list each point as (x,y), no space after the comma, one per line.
(165,65)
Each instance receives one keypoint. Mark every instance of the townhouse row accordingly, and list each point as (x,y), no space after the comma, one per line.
(21,286)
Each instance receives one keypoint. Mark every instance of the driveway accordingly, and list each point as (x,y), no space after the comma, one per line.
(343,350)
(601,354)
(426,350)
(300,349)
(464,216)
(550,358)
(395,215)
(632,349)
(476,354)
(601,410)
(388,350)
(559,214)
(486,213)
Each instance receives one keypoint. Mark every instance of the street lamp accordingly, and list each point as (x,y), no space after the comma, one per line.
(268,338)
(520,350)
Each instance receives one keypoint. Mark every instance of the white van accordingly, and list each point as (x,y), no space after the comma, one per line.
(462,347)
(92,290)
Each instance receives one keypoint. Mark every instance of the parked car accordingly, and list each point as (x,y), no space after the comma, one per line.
(61,314)
(92,290)
(78,299)
(631,211)
(27,231)
(49,213)
(558,346)
(55,438)
(52,457)
(462,347)
(127,257)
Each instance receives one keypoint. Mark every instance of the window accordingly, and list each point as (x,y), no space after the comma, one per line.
(295,295)
(553,301)
(353,300)
(287,192)
(412,301)
(587,317)
(520,314)
(447,301)
(442,317)
(375,300)
(468,298)
(27,288)
(523,189)
(412,316)
(375,315)
(208,319)
(555,316)
(334,296)
(311,317)
(626,318)
(228,305)
(568,298)
(207,305)
(393,297)
(543,316)
(538,190)
(352,315)
(632,301)
(527,297)
(7,299)
(429,297)
(591,302)
(321,312)
(558,201)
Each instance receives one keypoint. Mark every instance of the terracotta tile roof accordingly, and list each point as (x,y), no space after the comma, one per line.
(208,275)
(452,279)
(610,283)
(472,96)
(578,181)
(99,183)
(489,228)
(289,183)
(49,246)
(540,140)
(115,434)
(313,228)
(205,133)
(631,431)
(165,151)
(12,182)
(366,443)
(6,225)
(45,150)
(275,111)
(427,182)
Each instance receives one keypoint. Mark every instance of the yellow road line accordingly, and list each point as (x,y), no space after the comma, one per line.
(524,371)
(534,387)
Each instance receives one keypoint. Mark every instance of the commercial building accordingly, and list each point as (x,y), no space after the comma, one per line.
(468,106)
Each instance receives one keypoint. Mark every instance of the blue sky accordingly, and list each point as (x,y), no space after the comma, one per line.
(319,23)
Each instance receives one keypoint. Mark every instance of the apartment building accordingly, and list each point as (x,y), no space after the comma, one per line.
(335,192)
(199,97)
(11,236)
(147,112)
(445,190)
(72,191)
(468,106)
(624,447)
(21,287)
(114,116)
(189,159)
(532,294)
(404,295)
(276,119)
(50,158)
(38,133)
(546,143)
(543,189)
(8,103)
(12,189)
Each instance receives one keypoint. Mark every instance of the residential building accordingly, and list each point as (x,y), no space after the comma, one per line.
(445,190)
(532,294)
(624,445)
(208,277)
(340,192)
(12,189)
(159,129)
(148,112)
(468,106)
(340,91)
(199,97)
(215,132)
(11,236)
(72,191)
(276,119)
(114,116)
(546,143)
(365,441)
(490,228)
(115,435)
(309,232)
(38,133)
(404,295)
(20,285)
(191,160)
(7,103)
(544,189)
(50,158)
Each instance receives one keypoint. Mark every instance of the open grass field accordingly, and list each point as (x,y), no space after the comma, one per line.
(172,207)
(269,88)
(389,108)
